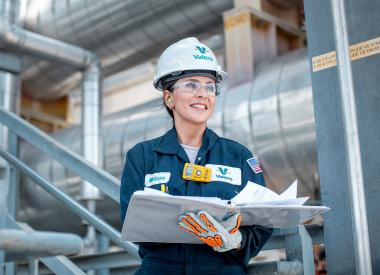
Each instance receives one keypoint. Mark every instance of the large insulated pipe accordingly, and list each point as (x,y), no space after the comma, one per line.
(273,116)
(122,33)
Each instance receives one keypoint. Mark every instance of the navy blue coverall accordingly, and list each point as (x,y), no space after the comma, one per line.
(150,163)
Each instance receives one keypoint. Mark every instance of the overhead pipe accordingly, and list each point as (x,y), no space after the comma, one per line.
(122,33)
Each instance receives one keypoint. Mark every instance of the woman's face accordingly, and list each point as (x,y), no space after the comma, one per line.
(192,100)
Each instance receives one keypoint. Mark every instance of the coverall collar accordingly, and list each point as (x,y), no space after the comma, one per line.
(168,143)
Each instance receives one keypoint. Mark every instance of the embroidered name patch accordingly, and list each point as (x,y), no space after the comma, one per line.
(228,174)
(156,178)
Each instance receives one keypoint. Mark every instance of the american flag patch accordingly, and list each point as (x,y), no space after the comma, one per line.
(254,165)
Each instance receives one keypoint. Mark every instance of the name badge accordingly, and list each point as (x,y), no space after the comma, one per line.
(228,174)
(156,178)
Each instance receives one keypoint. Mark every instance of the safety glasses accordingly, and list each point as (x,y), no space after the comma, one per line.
(193,86)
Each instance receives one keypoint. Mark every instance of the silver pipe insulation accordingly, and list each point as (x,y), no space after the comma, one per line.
(273,116)
(354,161)
(17,39)
(121,33)
(9,96)
(92,114)
(39,244)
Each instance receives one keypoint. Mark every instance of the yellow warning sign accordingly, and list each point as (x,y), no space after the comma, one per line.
(365,49)
(324,61)
(236,20)
(357,51)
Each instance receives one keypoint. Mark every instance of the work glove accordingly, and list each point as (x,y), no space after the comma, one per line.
(222,236)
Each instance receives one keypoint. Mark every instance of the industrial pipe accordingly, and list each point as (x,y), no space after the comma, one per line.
(39,244)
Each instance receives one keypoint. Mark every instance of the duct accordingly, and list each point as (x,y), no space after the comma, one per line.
(272,116)
(122,33)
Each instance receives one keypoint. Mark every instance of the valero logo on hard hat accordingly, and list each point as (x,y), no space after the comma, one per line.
(202,50)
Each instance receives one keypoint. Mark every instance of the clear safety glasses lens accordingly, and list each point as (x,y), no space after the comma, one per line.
(195,86)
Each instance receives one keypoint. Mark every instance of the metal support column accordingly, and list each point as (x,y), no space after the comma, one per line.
(299,247)
(2,254)
(103,247)
(348,128)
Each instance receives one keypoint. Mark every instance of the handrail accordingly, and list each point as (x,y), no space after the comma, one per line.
(74,206)
(107,183)
(39,243)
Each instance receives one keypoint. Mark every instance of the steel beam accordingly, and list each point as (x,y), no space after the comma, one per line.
(62,266)
(347,143)
(354,163)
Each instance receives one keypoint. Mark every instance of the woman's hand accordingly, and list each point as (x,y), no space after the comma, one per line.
(222,236)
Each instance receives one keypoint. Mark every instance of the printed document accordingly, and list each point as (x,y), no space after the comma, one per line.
(256,204)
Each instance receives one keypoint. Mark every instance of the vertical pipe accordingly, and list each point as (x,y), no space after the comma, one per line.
(354,162)
(6,10)
(9,97)
(92,123)
(92,138)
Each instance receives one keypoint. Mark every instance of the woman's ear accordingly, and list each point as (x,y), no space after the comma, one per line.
(168,99)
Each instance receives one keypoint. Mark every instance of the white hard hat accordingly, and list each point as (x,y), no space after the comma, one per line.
(184,58)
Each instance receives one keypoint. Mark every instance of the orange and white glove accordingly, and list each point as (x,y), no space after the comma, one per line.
(222,236)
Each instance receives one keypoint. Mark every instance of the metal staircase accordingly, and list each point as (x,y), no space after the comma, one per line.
(50,248)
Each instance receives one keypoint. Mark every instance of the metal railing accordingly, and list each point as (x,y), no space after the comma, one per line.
(107,183)
(74,206)
(73,161)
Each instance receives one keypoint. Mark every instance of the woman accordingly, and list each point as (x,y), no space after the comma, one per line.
(188,75)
